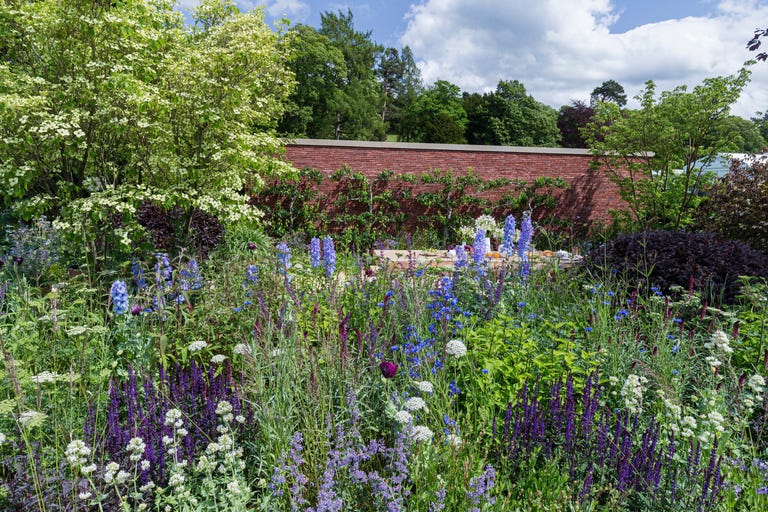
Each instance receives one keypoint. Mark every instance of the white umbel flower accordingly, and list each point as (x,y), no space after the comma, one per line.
(424,386)
(196,346)
(719,341)
(456,348)
(422,433)
(415,403)
(403,417)
(242,349)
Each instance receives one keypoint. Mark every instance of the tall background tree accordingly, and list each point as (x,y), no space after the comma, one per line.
(609,91)
(509,116)
(438,115)
(355,114)
(401,85)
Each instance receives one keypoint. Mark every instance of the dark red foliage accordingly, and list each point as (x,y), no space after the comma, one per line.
(705,261)
(737,203)
(167,229)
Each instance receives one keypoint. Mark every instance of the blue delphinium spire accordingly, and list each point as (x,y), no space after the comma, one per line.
(461,256)
(190,277)
(314,252)
(138,275)
(508,242)
(329,256)
(479,248)
(119,295)
(284,255)
(163,270)
(524,243)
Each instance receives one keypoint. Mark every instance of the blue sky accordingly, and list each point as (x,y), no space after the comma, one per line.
(559,49)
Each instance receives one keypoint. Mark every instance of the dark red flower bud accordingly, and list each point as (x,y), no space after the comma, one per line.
(251,246)
(135,310)
(388,369)
(18,260)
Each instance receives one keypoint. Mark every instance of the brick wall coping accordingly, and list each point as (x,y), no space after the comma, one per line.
(436,147)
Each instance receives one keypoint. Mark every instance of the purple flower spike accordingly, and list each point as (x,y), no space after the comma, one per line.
(388,369)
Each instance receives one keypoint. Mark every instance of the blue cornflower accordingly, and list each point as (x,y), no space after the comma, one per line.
(251,275)
(314,252)
(508,243)
(588,329)
(484,370)
(329,256)
(453,389)
(119,295)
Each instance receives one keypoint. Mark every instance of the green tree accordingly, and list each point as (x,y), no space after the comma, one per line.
(742,135)
(401,85)
(509,116)
(355,113)
(655,154)
(438,115)
(321,72)
(609,91)
(761,121)
(104,105)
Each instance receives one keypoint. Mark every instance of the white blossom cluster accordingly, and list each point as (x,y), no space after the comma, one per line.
(632,393)
(197,346)
(421,433)
(456,348)
(415,403)
(403,417)
(424,386)
(719,341)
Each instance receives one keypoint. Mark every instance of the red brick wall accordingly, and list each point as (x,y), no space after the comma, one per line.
(590,196)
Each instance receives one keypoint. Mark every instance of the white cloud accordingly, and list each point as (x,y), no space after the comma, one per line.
(562,49)
(295,10)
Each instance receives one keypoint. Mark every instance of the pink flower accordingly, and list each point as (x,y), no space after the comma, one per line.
(388,369)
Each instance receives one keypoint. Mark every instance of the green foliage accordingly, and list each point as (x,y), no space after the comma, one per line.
(293,205)
(655,154)
(517,351)
(453,200)
(437,116)
(609,91)
(511,117)
(368,210)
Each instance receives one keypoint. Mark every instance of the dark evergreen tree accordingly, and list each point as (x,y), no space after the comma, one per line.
(610,91)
